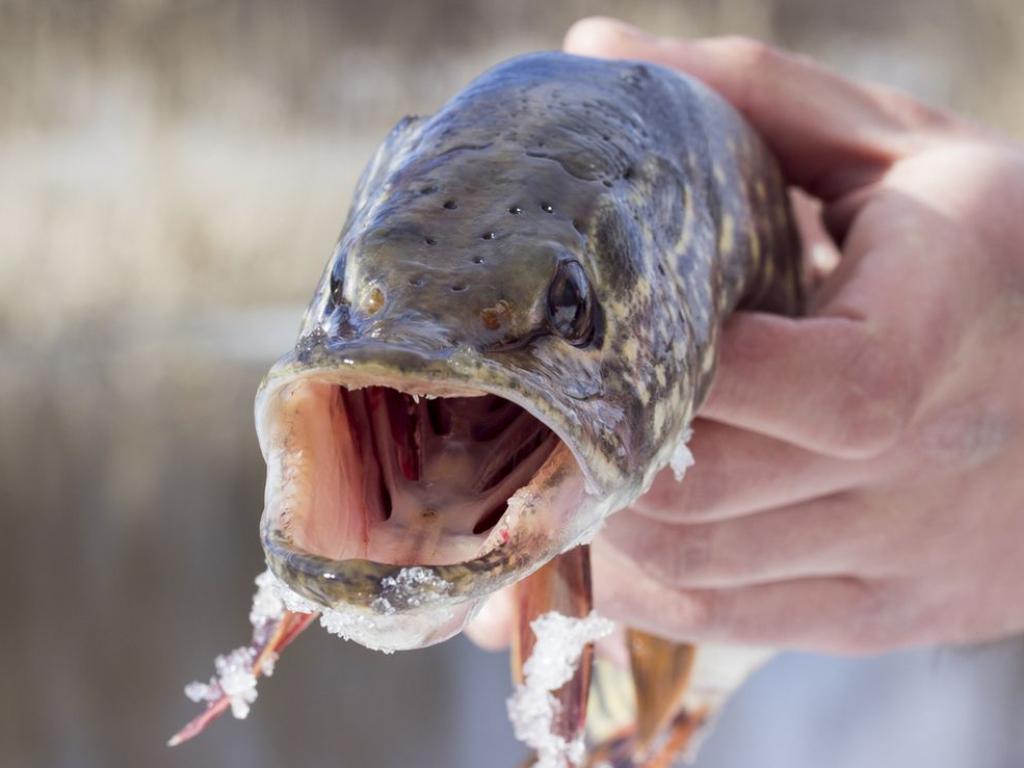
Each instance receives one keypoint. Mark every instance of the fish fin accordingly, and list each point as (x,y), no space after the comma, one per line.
(563,585)
(641,718)
(678,739)
(661,675)
(611,710)
(268,641)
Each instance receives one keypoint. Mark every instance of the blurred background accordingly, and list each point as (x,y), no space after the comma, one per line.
(172,178)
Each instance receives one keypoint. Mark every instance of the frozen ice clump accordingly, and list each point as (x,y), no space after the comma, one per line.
(414,586)
(532,708)
(682,459)
(234,679)
(267,603)
(410,586)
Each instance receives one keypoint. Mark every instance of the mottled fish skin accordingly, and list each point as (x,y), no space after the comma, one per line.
(672,205)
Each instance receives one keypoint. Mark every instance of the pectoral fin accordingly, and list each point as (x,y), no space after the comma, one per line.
(658,727)
(661,673)
(564,586)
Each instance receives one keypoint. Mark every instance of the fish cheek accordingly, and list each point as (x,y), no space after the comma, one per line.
(617,247)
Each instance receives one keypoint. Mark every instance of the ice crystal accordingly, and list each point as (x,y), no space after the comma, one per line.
(532,708)
(410,587)
(682,459)
(234,679)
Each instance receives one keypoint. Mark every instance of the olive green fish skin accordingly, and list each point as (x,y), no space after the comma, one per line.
(672,205)
(652,182)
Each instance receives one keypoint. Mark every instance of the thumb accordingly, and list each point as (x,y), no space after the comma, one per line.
(830,134)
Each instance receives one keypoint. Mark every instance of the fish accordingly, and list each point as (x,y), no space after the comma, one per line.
(511,338)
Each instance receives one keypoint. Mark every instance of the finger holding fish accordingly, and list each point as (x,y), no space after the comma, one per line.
(830,134)
(813,613)
(829,536)
(738,472)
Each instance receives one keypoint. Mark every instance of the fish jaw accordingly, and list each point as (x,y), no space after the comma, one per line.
(332,439)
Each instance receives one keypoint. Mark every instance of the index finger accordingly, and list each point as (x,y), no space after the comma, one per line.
(830,134)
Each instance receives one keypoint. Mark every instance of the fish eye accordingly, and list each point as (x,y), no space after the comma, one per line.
(570,304)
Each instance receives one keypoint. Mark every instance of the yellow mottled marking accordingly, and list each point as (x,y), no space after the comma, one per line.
(686,233)
(760,190)
(642,290)
(722,302)
(727,238)
(659,416)
(755,242)
(631,350)
(719,173)
(642,392)
(707,363)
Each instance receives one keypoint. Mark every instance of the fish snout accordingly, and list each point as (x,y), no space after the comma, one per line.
(427,334)
(440,312)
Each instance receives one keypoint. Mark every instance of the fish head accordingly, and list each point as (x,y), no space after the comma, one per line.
(461,405)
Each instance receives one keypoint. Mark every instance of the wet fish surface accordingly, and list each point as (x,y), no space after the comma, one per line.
(510,340)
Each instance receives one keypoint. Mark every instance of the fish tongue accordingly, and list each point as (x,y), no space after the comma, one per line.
(269,639)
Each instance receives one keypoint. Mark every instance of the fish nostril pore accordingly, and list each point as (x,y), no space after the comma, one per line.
(459,287)
(373,301)
(495,317)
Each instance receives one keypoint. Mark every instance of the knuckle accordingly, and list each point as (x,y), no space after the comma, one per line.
(875,401)
(757,62)
(595,34)
(673,556)
(921,115)
(692,556)
(868,631)
(906,112)
(750,52)
(696,612)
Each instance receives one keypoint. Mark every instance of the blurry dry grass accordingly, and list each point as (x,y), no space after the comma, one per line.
(161,156)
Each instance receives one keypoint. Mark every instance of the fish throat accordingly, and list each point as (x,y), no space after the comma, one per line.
(379,474)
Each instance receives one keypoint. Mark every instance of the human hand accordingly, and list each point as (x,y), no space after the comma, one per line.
(859,477)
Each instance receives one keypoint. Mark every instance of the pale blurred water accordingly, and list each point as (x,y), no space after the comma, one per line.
(133,485)
(172,177)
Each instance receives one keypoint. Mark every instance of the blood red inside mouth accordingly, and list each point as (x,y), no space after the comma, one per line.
(380,474)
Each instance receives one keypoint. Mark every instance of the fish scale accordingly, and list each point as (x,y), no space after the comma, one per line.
(567,235)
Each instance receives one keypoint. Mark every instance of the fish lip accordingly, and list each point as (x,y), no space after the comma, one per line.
(375,586)
(379,587)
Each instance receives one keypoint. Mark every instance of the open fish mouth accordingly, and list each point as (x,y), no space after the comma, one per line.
(393,490)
